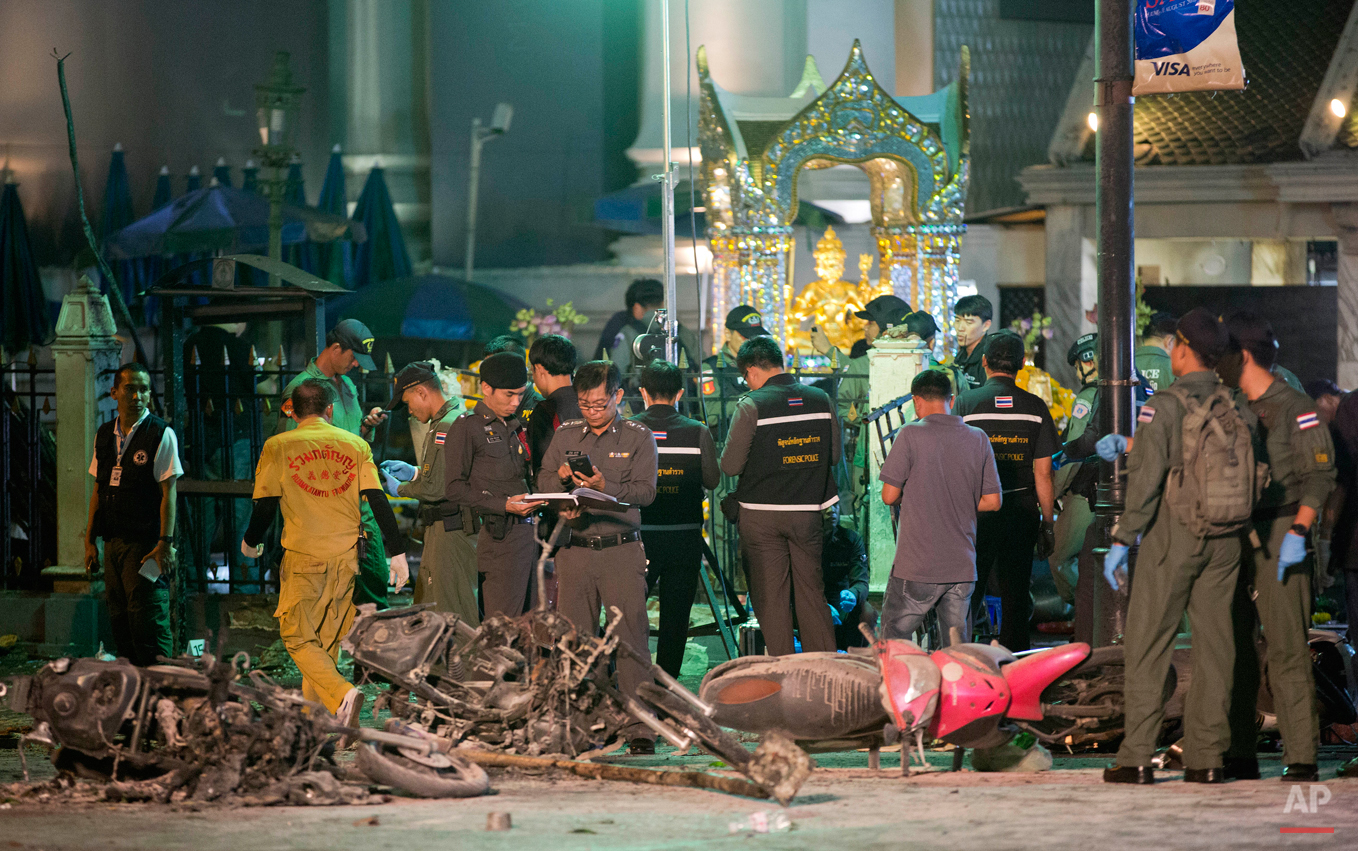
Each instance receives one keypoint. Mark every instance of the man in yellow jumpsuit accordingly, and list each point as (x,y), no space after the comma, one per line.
(318,475)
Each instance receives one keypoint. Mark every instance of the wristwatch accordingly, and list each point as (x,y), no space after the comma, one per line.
(1298,529)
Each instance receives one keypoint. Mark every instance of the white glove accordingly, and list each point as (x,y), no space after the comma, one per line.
(398,572)
(249,551)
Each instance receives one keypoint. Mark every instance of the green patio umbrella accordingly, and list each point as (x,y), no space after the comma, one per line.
(164,190)
(24,318)
(221,172)
(383,257)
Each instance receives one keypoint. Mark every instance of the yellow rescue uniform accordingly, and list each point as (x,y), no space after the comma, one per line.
(318,472)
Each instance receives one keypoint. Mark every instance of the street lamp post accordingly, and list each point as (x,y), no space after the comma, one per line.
(276,104)
(499,125)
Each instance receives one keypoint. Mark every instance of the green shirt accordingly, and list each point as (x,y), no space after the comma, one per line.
(348,414)
(1296,446)
(1080,412)
(1153,362)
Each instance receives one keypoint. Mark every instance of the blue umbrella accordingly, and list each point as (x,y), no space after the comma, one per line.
(430,307)
(164,191)
(335,259)
(194,181)
(222,172)
(249,181)
(23,308)
(220,218)
(118,214)
(383,257)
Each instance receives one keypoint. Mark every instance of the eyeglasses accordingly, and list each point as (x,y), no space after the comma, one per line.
(599,407)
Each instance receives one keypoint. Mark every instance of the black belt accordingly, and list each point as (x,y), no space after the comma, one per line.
(1273,512)
(511,518)
(603,542)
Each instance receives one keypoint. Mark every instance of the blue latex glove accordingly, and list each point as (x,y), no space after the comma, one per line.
(399,470)
(1292,552)
(389,483)
(847,601)
(834,616)
(1110,446)
(1115,563)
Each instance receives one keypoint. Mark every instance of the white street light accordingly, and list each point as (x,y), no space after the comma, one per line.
(499,125)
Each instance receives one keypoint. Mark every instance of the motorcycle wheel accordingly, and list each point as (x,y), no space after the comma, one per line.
(389,767)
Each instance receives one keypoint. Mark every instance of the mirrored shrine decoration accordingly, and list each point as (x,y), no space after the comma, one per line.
(913,149)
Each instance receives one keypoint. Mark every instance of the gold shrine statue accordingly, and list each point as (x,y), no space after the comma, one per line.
(830,302)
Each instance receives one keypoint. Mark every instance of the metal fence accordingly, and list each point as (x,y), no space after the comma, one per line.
(28,496)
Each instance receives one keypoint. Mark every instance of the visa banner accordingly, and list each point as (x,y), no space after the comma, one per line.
(1186,46)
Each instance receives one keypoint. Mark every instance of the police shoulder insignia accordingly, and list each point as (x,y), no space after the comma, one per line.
(569,423)
(1080,410)
(1147,414)
(1308,420)
(636,425)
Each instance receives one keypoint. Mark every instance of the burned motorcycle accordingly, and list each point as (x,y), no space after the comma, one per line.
(195,730)
(529,685)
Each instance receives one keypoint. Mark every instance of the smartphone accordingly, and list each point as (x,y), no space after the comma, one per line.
(581,464)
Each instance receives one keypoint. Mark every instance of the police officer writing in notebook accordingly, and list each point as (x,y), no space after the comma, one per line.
(672,526)
(448,561)
(784,443)
(135,466)
(603,563)
(486,475)
(1023,438)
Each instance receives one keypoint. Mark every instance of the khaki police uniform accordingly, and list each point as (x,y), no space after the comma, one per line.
(1074,484)
(1021,431)
(1300,453)
(1175,571)
(448,562)
(486,463)
(672,525)
(318,472)
(784,443)
(348,416)
(603,563)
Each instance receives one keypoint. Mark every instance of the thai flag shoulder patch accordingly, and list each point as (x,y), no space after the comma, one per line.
(660,435)
(1004,401)
(439,437)
(795,402)
(1308,420)
(1147,414)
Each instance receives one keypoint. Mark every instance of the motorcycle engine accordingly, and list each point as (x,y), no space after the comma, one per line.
(86,701)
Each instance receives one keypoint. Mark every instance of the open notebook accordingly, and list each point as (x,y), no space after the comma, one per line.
(583,497)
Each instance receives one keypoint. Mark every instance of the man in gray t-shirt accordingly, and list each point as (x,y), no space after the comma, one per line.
(941,472)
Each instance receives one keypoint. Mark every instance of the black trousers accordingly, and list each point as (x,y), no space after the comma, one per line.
(674,559)
(1004,548)
(138,609)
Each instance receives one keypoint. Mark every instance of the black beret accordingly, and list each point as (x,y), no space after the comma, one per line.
(505,371)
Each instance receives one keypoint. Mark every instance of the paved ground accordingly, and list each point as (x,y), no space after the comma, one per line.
(843,805)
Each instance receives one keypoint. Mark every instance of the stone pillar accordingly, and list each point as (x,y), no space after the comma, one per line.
(892,365)
(84,348)
(1065,290)
(1346,226)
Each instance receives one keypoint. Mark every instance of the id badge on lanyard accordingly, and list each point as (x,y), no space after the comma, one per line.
(115,476)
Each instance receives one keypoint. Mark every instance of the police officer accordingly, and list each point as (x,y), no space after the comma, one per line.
(349,344)
(602,562)
(1076,480)
(486,476)
(1177,570)
(784,443)
(448,561)
(135,468)
(844,570)
(1152,356)
(672,526)
(882,314)
(973,315)
(1023,438)
(722,384)
(1300,453)
(317,475)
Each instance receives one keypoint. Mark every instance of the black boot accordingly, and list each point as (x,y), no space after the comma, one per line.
(1241,768)
(1142,775)
(1301,772)
(1204,775)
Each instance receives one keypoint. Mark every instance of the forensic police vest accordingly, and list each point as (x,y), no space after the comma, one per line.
(789,465)
(678,501)
(130,509)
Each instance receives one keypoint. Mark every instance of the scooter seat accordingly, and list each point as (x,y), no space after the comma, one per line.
(1030,676)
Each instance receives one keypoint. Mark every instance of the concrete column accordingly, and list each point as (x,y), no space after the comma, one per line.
(84,348)
(892,365)
(1066,303)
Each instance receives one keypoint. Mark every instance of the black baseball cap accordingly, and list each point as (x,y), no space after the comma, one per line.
(885,310)
(922,324)
(1083,349)
(747,321)
(355,336)
(1205,334)
(410,375)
